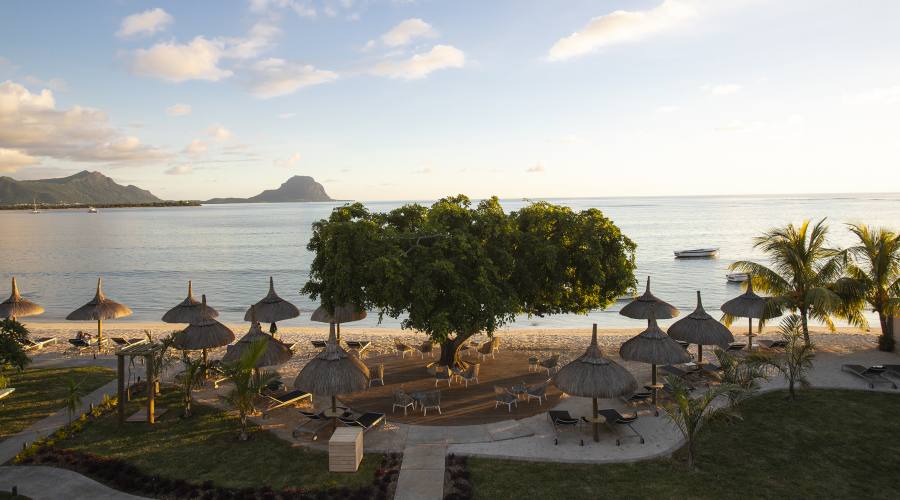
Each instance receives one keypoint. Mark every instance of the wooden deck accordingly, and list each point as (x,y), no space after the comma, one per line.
(459,405)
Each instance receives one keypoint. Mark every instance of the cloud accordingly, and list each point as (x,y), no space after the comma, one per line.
(173,62)
(420,65)
(276,77)
(289,162)
(196,148)
(178,109)
(54,84)
(183,169)
(13,159)
(260,38)
(423,171)
(722,89)
(300,7)
(537,168)
(668,109)
(286,116)
(219,132)
(878,95)
(144,23)
(740,126)
(31,124)
(407,31)
(620,27)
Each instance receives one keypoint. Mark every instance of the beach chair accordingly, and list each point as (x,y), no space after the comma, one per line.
(470,374)
(80,345)
(314,423)
(426,348)
(215,373)
(687,347)
(37,345)
(735,347)
(562,420)
(772,344)
(7,392)
(367,421)
(318,344)
(402,349)
(403,400)
(442,374)
(276,401)
(487,349)
(122,342)
(872,375)
(638,398)
(533,363)
(502,396)
(536,391)
(359,346)
(892,370)
(550,364)
(614,418)
(430,399)
(377,374)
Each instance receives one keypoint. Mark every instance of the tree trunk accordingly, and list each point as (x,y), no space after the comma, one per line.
(244,435)
(804,321)
(791,392)
(690,452)
(886,340)
(450,356)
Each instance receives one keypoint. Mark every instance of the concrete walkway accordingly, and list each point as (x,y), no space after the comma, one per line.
(49,483)
(422,472)
(12,445)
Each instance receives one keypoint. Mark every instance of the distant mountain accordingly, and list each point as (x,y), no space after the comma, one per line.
(297,188)
(83,187)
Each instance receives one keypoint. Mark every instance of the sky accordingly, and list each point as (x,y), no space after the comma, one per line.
(417,99)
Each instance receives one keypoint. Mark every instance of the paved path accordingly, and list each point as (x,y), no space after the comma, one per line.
(49,483)
(12,445)
(422,472)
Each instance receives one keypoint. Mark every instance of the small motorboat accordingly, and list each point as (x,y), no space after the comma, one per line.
(696,253)
(737,277)
(92,210)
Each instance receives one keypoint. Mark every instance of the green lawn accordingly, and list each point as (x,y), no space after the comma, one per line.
(828,444)
(39,393)
(205,448)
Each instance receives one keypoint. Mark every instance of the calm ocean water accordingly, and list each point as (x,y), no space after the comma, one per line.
(146,256)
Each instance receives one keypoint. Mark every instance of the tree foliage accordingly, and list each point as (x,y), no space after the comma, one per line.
(12,354)
(692,414)
(797,358)
(455,269)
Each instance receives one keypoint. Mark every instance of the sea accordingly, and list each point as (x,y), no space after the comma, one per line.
(147,255)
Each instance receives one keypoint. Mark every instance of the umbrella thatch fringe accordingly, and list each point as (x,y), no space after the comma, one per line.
(333,371)
(99,308)
(595,376)
(17,307)
(276,352)
(204,333)
(342,314)
(653,346)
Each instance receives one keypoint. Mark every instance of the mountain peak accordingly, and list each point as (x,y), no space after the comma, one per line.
(296,188)
(84,187)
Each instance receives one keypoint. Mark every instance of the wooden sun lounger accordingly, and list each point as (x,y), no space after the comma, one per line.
(735,346)
(871,375)
(80,345)
(38,344)
(318,344)
(561,419)
(7,392)
(638,398)
(892,370)
(277,401)
(359,345)
(366,421)
(123,342)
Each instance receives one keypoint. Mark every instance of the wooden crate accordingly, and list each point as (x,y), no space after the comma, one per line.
(345,450)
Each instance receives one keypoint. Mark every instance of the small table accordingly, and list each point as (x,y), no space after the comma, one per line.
(599,419)
(518,390)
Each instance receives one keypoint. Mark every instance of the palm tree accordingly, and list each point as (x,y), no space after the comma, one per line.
(873,277)
(797,358)
(803,273)
(189,380)
(741,373)
(72,397)
(246,385)
(691,415)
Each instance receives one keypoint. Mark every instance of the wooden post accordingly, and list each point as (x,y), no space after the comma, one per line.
(596,423)
(750,335)
(99,334)
(120,368)
(150,391)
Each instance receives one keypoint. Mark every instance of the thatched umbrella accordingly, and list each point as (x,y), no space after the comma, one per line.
(203,333)
(17,307)
(188,310)
(342,314)
(276,353)
(333,372)
(655,347)
(595,376)
(639,308)
(99,309)
(702,329)
(273,308)
(748,305)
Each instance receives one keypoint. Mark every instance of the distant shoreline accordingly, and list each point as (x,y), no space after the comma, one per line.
(75,206)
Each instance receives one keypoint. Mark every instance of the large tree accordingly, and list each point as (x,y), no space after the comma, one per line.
(802,273)
(453,270)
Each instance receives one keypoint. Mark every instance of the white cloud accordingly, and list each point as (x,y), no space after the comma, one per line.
(289,162)
(420,65)
(668,109)
(183,169)
(196,148)
(31,124)
(286,116)
(144,23)
(740,126)
(621,26)
(302,8)
(276,77)
(178,109)
(13,159)
(722,89)
(878,95)
(219,132)
(537,168)
(423,171)
(170,61)
(407,31)
(260,38)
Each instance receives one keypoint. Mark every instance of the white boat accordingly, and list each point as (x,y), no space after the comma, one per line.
(34,210)
(737,277)
(696,252)
(92,210)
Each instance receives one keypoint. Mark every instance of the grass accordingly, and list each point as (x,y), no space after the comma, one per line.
(204,447)
(40,392)
(6,495)
(828,443)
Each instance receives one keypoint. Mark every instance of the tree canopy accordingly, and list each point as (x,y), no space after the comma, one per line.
(455,269)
